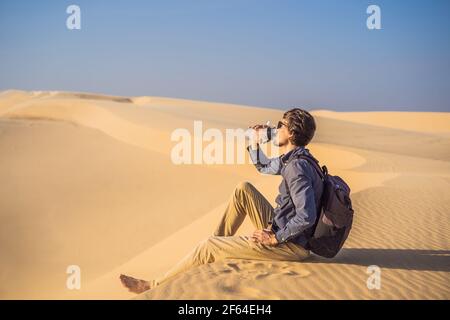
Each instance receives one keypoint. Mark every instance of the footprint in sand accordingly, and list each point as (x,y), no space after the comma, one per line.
(233,266)
(261,276)
(262,265)
(225,271)
(261,270)
(290,273)
(229,286)
(296,273)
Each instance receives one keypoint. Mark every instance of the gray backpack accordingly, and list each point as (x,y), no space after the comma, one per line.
(335,217)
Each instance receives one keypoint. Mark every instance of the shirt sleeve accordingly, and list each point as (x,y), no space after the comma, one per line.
(302,194)
(263,164)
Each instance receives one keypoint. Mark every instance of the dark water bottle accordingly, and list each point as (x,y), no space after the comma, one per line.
(266,134)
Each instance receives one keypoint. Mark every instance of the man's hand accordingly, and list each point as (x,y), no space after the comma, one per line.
(265,236)
(256,136)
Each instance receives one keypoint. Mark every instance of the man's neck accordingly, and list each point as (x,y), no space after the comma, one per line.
(286,148)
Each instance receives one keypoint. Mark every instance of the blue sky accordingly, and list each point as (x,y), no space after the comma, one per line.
(315,54)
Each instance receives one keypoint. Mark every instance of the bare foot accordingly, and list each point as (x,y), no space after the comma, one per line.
(134,285)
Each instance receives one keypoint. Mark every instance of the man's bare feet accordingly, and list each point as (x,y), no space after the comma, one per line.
(135,285)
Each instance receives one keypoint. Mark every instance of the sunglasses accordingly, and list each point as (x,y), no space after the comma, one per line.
(280,124)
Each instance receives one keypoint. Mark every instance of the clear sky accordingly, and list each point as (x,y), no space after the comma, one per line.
(315,54)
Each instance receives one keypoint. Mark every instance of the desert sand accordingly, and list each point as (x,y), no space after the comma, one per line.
(87,180)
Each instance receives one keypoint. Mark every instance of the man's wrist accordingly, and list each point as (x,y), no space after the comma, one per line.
(280,236)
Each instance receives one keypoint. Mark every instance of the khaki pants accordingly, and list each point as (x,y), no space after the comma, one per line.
(246,200)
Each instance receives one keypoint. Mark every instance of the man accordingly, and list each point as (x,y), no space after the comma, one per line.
(282,233)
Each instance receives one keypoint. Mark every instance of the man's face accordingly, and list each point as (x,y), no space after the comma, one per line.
(283,135)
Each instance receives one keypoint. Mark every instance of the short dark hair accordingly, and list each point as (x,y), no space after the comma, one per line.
(301,124)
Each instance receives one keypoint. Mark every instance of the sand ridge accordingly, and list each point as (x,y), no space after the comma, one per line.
(88,180)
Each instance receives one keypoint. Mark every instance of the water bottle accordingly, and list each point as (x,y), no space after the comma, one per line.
(265,134)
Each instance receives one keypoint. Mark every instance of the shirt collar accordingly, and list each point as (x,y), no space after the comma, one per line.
(286,157)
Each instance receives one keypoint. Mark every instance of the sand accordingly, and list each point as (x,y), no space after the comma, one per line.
(88,180)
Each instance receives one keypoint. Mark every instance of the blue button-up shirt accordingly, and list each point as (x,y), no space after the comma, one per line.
(300,193)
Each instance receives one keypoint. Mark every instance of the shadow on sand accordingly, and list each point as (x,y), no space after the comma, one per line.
(408,259)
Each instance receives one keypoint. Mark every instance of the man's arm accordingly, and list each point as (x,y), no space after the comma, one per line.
(302,194)
(262,163)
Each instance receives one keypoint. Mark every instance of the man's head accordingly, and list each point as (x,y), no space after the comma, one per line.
(297,127)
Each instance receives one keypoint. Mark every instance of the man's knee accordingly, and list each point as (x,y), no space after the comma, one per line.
(204,252)
(244,186)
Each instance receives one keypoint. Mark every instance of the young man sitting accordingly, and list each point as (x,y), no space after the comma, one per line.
(281,232)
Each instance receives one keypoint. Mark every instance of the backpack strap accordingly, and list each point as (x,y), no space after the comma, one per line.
(323,172)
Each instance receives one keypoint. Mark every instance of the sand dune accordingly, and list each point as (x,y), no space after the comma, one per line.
(432,122)
(404,236)
(88,180)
